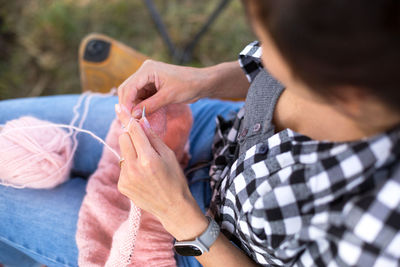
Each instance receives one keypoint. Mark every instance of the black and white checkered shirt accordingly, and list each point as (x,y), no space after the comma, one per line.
(291,200)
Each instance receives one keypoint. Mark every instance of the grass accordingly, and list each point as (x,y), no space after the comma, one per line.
(39,39)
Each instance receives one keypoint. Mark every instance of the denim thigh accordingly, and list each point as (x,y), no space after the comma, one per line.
(41,224)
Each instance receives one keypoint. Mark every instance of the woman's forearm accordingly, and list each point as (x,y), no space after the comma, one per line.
(225,80)
(186,222)
(224,253)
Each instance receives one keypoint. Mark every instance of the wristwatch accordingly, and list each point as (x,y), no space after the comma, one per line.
(201,244)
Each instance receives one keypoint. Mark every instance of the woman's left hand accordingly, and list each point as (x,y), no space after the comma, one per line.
(153,179)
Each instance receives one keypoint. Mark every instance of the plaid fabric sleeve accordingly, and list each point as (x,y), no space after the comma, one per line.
(293,222)
(372,227)
(250,60)
(364,232)
(369,235)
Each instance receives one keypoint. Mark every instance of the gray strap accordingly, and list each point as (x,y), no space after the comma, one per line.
(210,234)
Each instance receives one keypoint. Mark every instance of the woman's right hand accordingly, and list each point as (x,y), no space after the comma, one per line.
(157,84)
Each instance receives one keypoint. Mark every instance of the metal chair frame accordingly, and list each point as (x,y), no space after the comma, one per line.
(185,54)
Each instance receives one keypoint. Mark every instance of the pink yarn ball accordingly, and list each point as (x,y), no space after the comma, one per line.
(34,158)
(158,121)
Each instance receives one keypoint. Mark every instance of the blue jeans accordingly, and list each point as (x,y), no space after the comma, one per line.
(39,226)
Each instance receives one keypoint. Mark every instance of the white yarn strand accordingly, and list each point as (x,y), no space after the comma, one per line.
(66,126)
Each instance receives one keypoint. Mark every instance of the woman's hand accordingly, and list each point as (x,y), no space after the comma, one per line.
(157,84)
(153,179)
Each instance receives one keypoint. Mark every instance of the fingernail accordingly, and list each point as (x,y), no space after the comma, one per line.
(125,109)
(137,113)
(146,122)
(117,108)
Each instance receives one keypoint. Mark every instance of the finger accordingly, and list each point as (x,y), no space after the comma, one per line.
(159,146)
(123,89)
(140,140)
(123,116)
(128,90)
(128,151)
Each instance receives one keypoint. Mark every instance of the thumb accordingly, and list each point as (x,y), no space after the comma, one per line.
(154,139)
(152,104)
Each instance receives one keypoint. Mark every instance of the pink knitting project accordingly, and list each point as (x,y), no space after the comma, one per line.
(109,227)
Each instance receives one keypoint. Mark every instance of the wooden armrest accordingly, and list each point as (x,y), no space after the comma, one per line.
(105,63)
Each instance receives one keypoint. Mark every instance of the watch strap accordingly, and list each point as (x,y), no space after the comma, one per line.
(202,243)
(208,237)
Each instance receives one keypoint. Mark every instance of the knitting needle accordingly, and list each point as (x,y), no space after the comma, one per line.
(146,122)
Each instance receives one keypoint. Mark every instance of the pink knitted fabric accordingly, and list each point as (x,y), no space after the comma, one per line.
(103,226)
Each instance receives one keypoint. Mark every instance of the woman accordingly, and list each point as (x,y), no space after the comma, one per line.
(306,175)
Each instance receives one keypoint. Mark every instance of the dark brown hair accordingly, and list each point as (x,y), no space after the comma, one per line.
(332,43)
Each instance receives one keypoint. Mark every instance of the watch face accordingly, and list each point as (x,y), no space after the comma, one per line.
(187,250)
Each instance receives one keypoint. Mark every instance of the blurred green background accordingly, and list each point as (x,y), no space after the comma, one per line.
(39,39)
